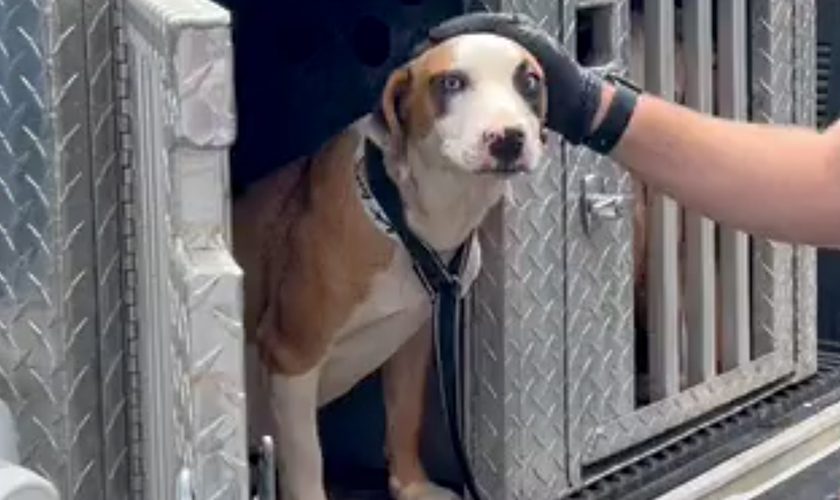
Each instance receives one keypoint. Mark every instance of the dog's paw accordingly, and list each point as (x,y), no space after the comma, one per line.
(423,491)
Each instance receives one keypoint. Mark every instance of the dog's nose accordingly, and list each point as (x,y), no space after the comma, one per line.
(506,145)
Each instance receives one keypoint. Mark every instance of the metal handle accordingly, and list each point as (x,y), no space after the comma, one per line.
(267,470)
(597,205)
(185,487)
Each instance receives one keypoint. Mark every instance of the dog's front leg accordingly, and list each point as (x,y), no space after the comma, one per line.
(294,402)
(404,380)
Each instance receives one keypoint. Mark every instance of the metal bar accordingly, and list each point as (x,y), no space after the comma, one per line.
(805,113)
(734,245)
(158,397)
(700,277)
(663,296)
(192,341)
(772,80)
(653,420)
(133,382)
(105,179)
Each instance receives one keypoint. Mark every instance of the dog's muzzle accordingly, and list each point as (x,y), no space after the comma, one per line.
(506,169)
(505,149)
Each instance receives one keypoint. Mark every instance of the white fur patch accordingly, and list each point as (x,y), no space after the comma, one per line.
(395,309)
(294,405)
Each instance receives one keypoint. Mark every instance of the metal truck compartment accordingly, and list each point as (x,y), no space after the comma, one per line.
(120,322)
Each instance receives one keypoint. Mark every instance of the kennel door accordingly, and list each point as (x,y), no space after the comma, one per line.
(599,254)
(187,307)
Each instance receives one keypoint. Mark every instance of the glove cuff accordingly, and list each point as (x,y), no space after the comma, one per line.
(604,138)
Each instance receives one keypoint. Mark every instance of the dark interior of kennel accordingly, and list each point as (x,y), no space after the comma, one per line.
(828,110)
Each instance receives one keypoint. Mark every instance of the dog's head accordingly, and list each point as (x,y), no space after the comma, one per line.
(475,102)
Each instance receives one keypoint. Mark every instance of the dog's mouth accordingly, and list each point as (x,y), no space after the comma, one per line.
(505,169)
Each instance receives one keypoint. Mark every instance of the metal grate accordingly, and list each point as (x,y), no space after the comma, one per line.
(823,72)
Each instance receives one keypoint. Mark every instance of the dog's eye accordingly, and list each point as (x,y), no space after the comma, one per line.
(531,83)
(453,82)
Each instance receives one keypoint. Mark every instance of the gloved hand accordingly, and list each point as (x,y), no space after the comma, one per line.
(573,92)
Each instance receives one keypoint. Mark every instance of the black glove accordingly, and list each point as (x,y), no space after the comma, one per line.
(573,93)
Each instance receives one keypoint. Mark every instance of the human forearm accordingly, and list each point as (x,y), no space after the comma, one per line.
(781,182)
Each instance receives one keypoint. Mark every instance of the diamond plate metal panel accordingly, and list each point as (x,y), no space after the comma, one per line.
(772,101)
(516,407)
(188,285)
(652,420)
(162,433)
(60,337)
(599,283)
(805,113)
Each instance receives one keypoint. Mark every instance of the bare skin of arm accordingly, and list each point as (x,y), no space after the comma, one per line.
(780,182)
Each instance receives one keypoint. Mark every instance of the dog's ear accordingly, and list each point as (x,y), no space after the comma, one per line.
(390,108)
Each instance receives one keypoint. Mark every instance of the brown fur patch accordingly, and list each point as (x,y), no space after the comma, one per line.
(309,253)
(419,108)
(535,66)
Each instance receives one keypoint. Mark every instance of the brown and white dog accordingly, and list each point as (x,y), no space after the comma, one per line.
(331,296)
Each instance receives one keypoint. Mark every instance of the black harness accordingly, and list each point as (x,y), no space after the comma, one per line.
(443,283)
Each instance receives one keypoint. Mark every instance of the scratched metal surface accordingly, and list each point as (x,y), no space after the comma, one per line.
(805,113)
(61,338)
(772,101)
(600,330)
(188,286)
(516,399)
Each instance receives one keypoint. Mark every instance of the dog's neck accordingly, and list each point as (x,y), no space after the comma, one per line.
(443,204)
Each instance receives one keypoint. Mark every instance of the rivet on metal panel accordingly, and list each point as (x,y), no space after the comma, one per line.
(598,205)
(267,471)
(185,487)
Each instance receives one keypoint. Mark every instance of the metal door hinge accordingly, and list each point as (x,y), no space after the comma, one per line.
(597,205)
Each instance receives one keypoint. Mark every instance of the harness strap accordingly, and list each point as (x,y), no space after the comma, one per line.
(443,284)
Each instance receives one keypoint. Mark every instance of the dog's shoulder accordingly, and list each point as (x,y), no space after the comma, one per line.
(308,246)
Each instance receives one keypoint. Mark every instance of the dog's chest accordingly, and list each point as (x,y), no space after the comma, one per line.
(394,310)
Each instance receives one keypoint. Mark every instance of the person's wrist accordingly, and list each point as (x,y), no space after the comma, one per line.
(617,101)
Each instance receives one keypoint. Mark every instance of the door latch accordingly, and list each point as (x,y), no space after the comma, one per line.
(597,205)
